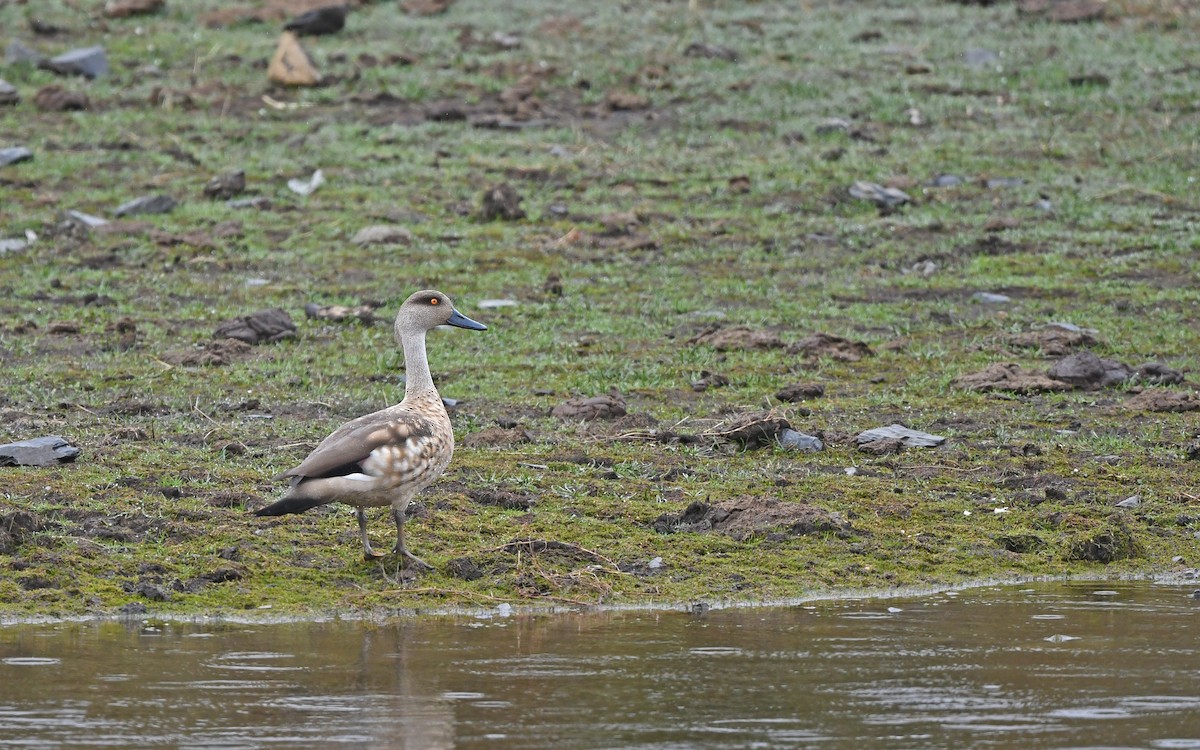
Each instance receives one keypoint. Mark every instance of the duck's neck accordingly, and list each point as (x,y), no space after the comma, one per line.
(417,379)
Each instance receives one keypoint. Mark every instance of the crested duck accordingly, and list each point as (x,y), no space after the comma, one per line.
(385,458)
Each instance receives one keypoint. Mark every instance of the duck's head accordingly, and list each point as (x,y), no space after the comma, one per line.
(429,309)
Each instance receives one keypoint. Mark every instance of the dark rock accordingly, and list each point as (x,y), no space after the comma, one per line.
(43,451)
(327,20)
(89,62)
(226,186)
(800,392)
(14,155)
(1086,370)
(264,326)
(501,202)
(147,204)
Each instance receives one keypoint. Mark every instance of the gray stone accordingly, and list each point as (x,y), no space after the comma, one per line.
(991,298)
(14,154)
(147,204)
(8,93)
(42,451)
(85,220)
(90,62)
(798,441)
(1132,501)
(884,197)
(16,53)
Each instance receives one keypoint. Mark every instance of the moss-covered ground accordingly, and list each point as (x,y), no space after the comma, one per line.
(666,188)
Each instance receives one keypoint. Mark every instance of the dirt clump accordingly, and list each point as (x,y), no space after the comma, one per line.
(1158,399)
(211,354)
(832,347)
(587,408)
(1055,340)
(264,326)
(740,338)
(757,429)
(1087,371)
(800,392)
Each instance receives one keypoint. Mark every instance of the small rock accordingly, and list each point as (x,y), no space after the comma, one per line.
(789,439)
(309,186)
(946,180)
(55,98)
(991,298)
(8,93)
(14,155)
(1086,370)
(263,326)
(977,57)
(501,202)
(226,186)
(147,204)
(42,451)
(709,380)
(291,65)
(1132,501)
(908,437)
(16,53)
(14,245)
(383,234)
(126,8)
(887,198)
(85,220)
(89,62)
(327,20)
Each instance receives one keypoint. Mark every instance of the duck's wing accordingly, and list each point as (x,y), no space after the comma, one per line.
(348,446)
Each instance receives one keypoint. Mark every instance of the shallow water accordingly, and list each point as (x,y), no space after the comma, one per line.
(1087,665)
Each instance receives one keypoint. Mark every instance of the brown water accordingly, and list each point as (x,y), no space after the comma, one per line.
(1088,665)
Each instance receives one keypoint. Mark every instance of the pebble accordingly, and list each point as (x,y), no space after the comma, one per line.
(991,298)
(147,204)
(309,186)
(8,93)
(797,441)
(1132,501)
(14,155)
(89,62)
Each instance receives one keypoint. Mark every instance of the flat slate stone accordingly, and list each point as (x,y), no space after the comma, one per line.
(913,438)
(42,451)
(90,62)
(14,154)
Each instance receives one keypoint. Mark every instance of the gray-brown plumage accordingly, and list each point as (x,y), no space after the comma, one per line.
(384,458)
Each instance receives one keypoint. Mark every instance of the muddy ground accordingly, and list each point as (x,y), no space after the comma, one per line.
(713,246)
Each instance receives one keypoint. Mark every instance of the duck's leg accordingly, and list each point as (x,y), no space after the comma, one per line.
(368,553)
(400,548)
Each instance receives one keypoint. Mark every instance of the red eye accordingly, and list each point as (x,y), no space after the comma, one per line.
(433,300)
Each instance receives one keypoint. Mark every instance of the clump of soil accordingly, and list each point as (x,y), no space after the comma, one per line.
(1111,543)
(587,408)
(800,392)
(831,347)
(736,338)
(264,326)
(211,354)
(1079,371)
(746,517)
(1055,340)
(757,429)
(1157,399)
(500,497)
